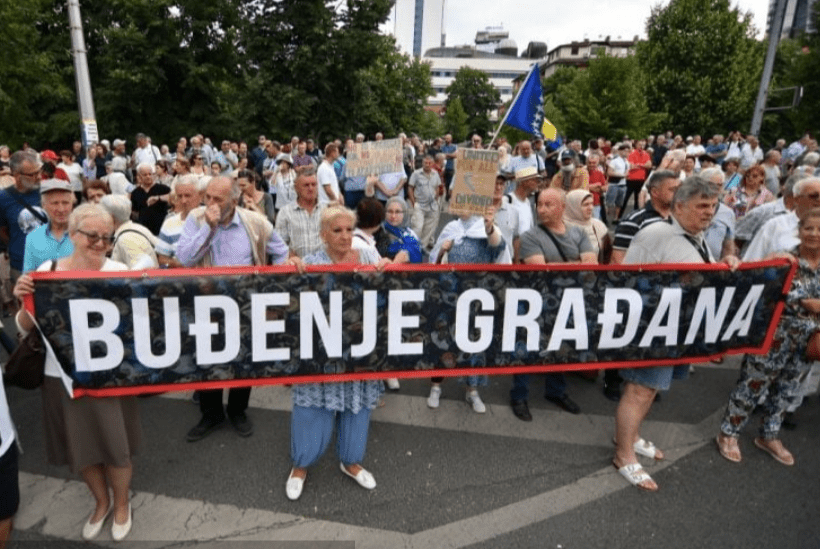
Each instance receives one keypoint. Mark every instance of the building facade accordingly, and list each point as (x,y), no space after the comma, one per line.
(578,54)
(417,25)
(798,18)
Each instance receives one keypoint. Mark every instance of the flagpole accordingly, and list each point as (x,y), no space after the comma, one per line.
(517,95)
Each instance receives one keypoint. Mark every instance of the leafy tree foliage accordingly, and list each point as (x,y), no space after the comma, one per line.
(797,65)
(225,68)
(606,99)
(36,102)
(455,120)
(701,65)
(478,98)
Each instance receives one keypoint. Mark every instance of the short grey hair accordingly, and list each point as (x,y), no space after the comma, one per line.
(187,179)
(310,171)
(811,159)
(803,183)
(694,187)
(658,177)
(86,211)
(236,190)
(710,173)
(146,166)
(332,212)
(19,158)
(788,186)
(119,206)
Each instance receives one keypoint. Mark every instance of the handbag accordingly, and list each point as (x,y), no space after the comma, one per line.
(26,366)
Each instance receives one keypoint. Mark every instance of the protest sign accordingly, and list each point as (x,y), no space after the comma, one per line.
(122,333)
(374,158)
(473,181)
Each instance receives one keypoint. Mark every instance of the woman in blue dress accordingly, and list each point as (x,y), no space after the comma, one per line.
(318,407)
(468,239)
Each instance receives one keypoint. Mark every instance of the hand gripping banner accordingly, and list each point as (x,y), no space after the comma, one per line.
(132,333)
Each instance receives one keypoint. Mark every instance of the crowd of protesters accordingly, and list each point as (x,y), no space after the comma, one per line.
(198,205)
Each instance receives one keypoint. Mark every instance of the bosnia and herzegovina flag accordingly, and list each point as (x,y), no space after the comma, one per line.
(527,111)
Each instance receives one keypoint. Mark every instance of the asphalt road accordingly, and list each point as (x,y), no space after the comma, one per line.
(447,477)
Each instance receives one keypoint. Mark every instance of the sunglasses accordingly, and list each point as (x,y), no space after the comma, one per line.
(93,238)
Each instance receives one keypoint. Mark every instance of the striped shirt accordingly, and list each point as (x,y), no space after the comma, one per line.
(629,227)
(300,229)
(169,235)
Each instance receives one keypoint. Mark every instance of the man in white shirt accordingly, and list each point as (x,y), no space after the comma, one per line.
(779,234)
(145,152)
(750,154)
(326,176)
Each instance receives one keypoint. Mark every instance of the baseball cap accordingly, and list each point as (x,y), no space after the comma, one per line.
(54,184)
(48,154)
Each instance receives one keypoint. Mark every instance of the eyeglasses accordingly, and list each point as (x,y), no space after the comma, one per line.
(32,174)
(93,238)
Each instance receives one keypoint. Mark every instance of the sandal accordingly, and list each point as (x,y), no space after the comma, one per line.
(728,448)
(645,448)
(636,476)
(775,449)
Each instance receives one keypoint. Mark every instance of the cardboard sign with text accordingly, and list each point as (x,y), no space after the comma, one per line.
(374,158)
(473,182)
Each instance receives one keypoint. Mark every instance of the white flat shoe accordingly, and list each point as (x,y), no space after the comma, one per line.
(92,530)
(293,487)
(363,477)
(119,531)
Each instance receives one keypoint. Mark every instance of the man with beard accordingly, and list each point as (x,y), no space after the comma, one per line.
(220,234)
(20,211)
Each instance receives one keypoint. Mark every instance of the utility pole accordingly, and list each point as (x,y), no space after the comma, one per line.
(766,77)
(85,99)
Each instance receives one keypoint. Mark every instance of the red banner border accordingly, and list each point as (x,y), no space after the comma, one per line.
(409,374)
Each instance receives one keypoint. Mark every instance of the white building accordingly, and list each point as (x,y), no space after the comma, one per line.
(494,53)
(578,54)
(417,25)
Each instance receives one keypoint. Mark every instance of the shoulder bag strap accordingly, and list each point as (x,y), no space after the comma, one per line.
(35,213)
(555,242)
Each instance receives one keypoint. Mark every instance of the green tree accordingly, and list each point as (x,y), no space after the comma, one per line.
(455,120)
(702,64)
(37,104)
(797,65)
(478,98)
(607,99)
(390,94)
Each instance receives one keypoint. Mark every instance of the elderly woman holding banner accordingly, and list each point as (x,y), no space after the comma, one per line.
(775,376)
(96,437)
(318,407)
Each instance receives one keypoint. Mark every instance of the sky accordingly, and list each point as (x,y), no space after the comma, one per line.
(559,23)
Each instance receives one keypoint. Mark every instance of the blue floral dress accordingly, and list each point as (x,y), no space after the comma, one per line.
(348,395)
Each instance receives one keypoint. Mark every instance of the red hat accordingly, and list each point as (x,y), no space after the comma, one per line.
(48,154)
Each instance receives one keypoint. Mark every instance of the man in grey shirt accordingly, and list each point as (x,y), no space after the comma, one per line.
(679,241)
(550,241)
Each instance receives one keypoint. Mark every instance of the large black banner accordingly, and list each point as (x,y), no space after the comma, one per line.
(171,330)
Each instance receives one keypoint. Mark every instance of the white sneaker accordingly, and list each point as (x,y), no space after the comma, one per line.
(392,383)
(435,395)
(475,400)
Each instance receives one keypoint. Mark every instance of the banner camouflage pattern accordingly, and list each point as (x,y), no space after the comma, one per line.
(174,330)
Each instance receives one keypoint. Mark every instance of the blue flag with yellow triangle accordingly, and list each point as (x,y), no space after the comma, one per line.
(527,111)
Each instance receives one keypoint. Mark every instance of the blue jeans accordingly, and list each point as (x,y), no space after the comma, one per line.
(555,386)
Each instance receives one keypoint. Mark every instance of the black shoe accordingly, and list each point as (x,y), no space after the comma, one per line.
(612,392)
(205,427)
(241,424)
(565,403)
(521,410)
